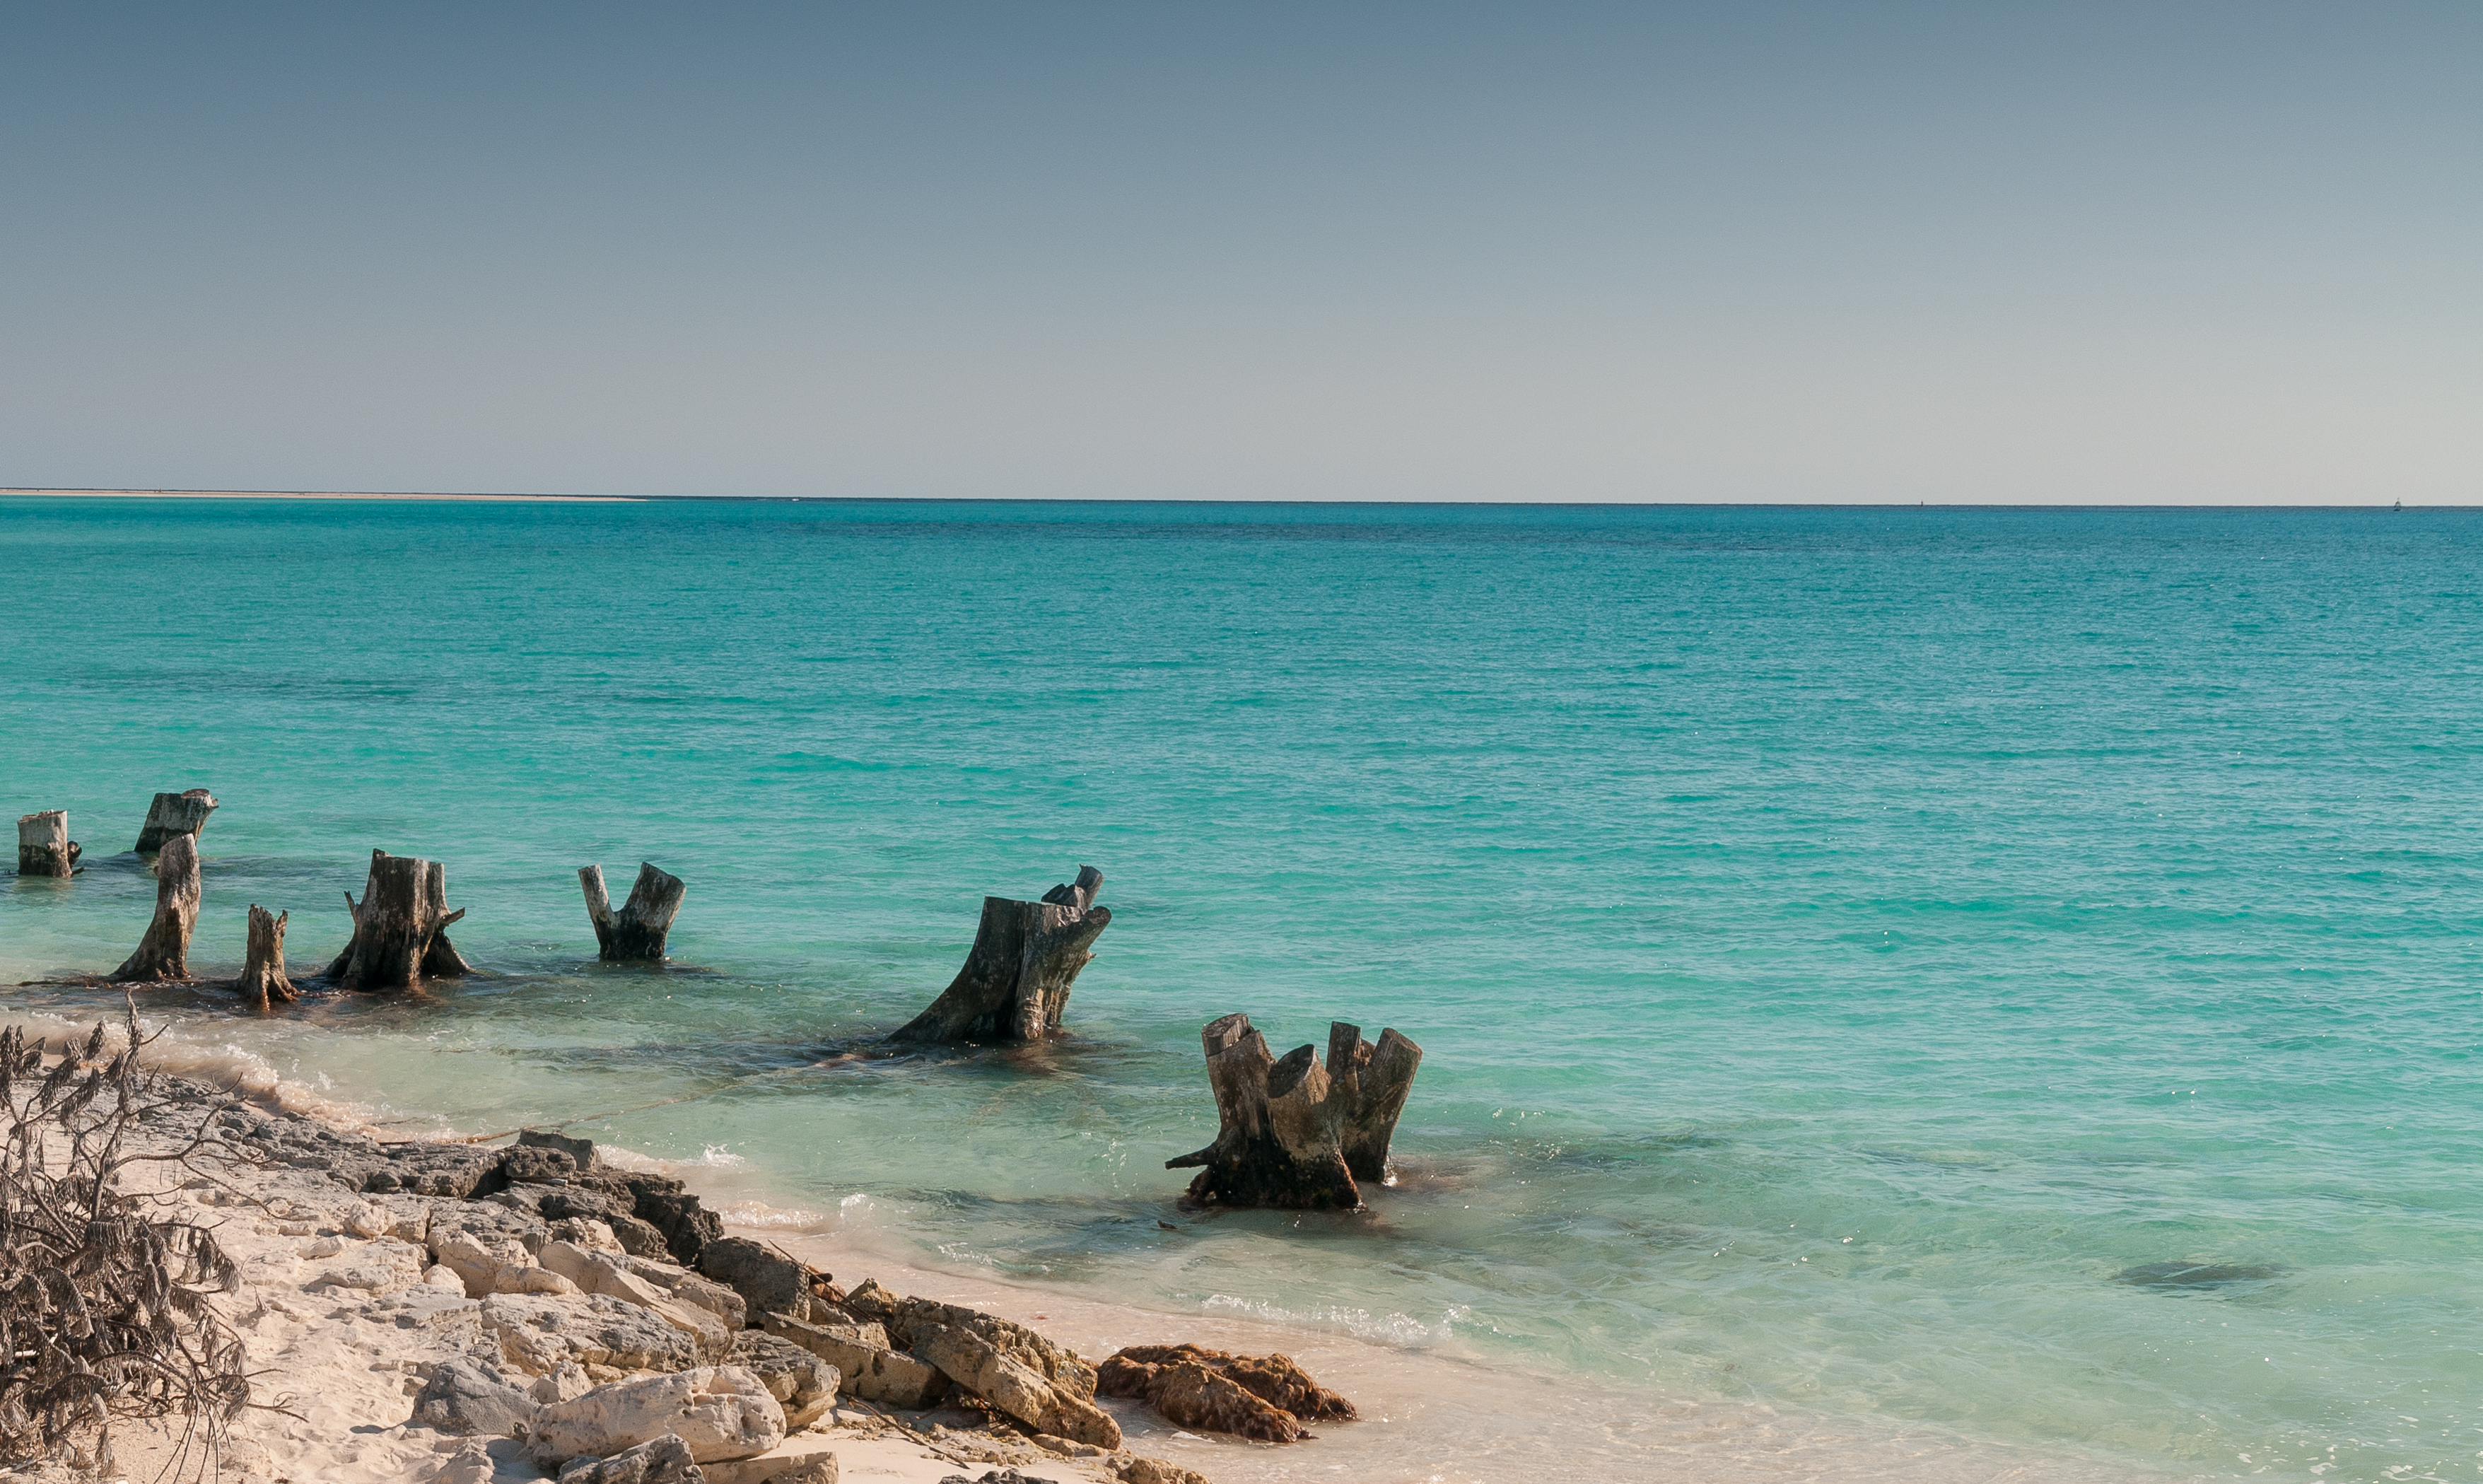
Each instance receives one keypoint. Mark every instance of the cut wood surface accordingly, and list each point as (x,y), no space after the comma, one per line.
(262,975)
(400,927)
(1286,1123)
(637,931)
(1015,985)
(44,844)
(171,814)
(164,953)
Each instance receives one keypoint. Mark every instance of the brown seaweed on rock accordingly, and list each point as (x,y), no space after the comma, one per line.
(1263,1397)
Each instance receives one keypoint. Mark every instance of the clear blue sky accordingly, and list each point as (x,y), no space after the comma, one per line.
(1973,253)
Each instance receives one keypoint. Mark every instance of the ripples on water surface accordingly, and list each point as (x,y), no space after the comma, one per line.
(1843,942)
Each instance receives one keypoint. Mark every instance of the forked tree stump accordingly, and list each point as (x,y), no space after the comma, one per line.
(1287,1125)
(164,953)
(638,932)
(400,927)
(1369,1085)
(1016,981)
(262,972)
(44,844)
(171,814)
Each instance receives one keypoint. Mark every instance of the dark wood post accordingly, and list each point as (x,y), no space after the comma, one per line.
(638,932)
(1015,985)
(164,953)
(171,814)
(44,844)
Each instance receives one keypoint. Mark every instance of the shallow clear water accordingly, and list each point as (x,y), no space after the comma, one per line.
(1842,941)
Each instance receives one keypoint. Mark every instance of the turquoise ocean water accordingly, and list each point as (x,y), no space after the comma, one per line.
(1843,940)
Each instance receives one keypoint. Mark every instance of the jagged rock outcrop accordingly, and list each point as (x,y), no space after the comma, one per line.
(1013,1387)
(462,1399)
(664,1461)
(867,1365)
(804,1385)
(719,1412)
(1267,1398)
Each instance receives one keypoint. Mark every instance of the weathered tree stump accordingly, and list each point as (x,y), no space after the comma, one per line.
(1369,1085)
(171,814)
(262,972)
(1016,981)
(44,844)
(638,932)
(1287,1125)
(164,953)
(400,936)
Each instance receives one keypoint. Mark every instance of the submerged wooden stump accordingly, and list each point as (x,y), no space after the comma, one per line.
(262,973)
(1292,1134)
(44,844)
(171,814)
(164,953)
(400,927)
(1016,981)
(636,932)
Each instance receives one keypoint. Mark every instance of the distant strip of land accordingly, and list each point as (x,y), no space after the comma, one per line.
(320,494)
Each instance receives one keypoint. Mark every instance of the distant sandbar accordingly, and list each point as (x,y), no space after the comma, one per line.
(320,494)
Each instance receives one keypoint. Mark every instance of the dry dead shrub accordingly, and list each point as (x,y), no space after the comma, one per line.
(104,1311)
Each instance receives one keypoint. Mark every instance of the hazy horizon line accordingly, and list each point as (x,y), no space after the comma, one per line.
(521,497)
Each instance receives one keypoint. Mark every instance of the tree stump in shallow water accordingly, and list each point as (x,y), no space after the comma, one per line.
(1016,980)
(164,953)
(1368,1086)
(44,844)
(262,972)
(171,814)
(638,931)
(400,927)
(1287,1125)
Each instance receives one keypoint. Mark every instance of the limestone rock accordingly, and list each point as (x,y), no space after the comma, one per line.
(1153,1471)
(528,1165)
(1268,1397)
(1056,1363)
(666,1460)
(805,1385)
(769,1282)
(462,1397)
(719,1411)
(568,1382)
(1014,1387)
(580,1151)
(605,1273)
(819,1469)
(865,1366)
(540,1335)
(587,1232)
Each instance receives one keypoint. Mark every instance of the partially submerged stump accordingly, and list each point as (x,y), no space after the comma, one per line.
(1017,976)
(44,844)
(638,932)
(171,814)
(262,974)
(400,936)
(164,953)
(1292,1135)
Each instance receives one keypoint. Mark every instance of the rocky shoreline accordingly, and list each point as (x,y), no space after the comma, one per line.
(455,1314)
